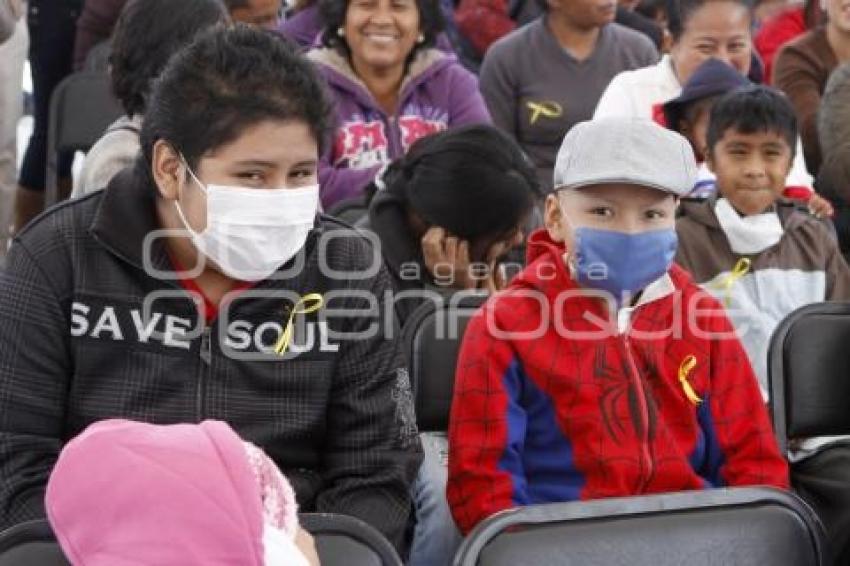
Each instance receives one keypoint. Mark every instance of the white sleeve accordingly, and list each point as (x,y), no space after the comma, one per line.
(616,100)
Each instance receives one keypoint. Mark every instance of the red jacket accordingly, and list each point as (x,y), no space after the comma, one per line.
(483,22)
(546,417)
(776,32)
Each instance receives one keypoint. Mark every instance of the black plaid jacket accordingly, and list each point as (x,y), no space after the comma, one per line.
(87,333)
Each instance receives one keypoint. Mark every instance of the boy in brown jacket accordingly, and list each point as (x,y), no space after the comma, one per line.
(764,258)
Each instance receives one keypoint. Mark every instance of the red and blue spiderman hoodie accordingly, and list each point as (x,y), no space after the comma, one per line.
(556,400)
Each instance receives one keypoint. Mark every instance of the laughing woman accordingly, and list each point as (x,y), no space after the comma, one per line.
(391,87)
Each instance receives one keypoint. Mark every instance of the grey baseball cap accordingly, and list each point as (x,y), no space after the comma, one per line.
(634,151)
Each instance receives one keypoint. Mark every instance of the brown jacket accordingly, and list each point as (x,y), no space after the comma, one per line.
(805,267)
(801,70)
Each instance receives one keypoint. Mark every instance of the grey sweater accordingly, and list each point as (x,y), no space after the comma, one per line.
(536,91)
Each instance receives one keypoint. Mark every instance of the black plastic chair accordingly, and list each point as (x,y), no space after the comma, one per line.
(741,526)
(345,541)
(81,109)
(340,541)
(30,544)
(809,373)
(432,336)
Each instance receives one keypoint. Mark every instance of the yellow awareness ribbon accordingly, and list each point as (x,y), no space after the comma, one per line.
(305,305)
(742,267)
(548,109)
(688,364)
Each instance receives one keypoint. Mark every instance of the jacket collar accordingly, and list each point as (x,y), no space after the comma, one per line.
(339,72)
(388,220)
(126,220)
(702,212)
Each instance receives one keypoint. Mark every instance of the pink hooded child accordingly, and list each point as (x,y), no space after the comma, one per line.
(126,493)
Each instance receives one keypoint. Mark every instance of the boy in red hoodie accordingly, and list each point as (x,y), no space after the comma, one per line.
(603,370)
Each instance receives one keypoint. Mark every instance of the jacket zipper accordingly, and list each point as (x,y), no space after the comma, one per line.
(643,409)
(394,135)
(205,354)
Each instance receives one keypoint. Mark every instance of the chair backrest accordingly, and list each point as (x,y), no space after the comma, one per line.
(432,336)
(346,541)
(808,370)
(30,544)
(742,526)
(350,210)
(81,109)
(340,541)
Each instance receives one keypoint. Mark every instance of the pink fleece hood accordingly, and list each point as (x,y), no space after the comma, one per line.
(126,493)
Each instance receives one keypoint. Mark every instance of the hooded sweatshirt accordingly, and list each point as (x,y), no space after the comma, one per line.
(304,27)
(436,93)
(804,267)
(94,325)
(642,93)
(126,493)
(554,403)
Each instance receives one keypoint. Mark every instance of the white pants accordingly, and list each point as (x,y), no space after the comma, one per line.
(13,54)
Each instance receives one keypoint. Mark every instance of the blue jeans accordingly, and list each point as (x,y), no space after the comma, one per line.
(435,538)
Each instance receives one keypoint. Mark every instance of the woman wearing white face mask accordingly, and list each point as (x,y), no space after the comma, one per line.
(134,302)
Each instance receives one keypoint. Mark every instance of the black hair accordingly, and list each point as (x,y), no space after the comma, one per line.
(680,11)
(652,8)
(750,110)
(225,81)
(236,4)
(333,13)
(147,34)
(474,181)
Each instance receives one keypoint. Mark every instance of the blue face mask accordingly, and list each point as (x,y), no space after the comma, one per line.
(620,263)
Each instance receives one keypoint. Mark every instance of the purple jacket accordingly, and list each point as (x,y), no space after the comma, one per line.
(304,27)
(436,94)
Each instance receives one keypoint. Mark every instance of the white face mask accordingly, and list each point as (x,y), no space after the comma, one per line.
(748,234)
(250,233)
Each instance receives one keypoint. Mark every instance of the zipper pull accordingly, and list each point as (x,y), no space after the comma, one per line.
(206,346)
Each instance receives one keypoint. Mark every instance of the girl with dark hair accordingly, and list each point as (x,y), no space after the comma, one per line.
(433,245)
(701,30)
(390,85)
(421,212)
(147,34)
(194,288)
